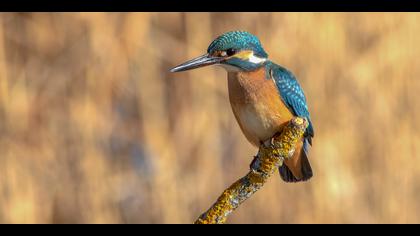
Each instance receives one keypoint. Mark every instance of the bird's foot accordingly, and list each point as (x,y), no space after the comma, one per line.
(254,163)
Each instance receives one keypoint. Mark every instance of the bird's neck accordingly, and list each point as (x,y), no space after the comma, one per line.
(263,71)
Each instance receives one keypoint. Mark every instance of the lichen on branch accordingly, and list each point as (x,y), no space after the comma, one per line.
(270,156)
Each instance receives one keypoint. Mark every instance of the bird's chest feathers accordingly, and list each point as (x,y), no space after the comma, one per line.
(257,105)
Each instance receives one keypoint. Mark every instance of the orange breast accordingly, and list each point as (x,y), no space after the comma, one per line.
(257,105)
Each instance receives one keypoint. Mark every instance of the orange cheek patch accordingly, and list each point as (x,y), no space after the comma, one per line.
(244,55)
(219,54)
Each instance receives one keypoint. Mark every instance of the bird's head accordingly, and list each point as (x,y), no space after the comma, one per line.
(234,50)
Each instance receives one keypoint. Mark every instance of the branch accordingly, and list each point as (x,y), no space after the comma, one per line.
(268,159)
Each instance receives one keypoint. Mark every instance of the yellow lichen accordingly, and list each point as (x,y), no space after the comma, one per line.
(269,158)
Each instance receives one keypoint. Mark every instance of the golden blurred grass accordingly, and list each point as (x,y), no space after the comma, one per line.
(94,129)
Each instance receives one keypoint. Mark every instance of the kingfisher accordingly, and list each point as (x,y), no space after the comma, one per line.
(264,96)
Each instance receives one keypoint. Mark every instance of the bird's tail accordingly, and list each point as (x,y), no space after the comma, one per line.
(297,168)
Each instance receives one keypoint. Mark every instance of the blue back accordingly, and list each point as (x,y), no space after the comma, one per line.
(292,94)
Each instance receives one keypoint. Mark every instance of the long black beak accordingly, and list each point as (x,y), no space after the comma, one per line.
(204,60)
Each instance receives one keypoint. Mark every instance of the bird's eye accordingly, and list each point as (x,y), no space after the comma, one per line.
(230,52)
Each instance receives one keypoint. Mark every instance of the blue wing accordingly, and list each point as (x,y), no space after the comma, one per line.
(292,95)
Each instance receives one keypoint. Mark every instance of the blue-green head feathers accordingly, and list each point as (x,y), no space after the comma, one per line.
(235,51)
(238,40)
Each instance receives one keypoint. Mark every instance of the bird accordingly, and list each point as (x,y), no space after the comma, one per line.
(263,95)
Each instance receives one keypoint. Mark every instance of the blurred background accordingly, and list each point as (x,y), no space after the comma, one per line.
(94,129)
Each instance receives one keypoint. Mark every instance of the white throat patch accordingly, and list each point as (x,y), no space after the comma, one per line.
(229,68)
